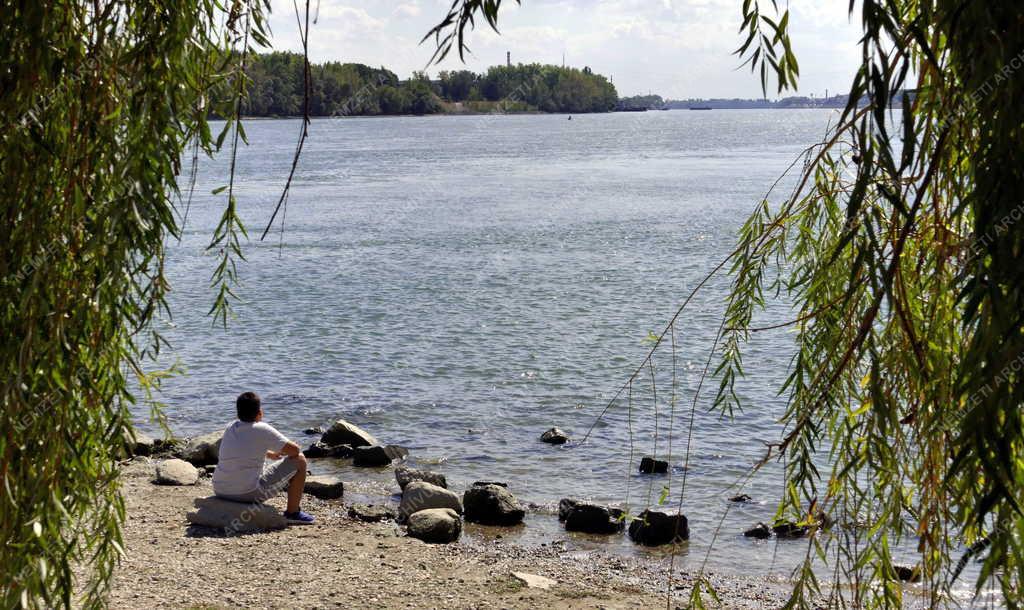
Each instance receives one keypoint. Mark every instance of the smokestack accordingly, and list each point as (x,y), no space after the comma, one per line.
(508,58)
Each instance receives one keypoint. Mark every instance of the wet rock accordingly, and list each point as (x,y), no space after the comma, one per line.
(492,505)
(321,450)
(176,472)
(761,531)
(555,437)
(435,525)
(314,431)
(594,519)
(377,455)
(325,488)
(371,513)
(235,516)
(565,506)
(345,433)
(908,573)
(202,450)
(405,475)
(789,530)
(654,528)
(649,465)
(420,495)
(741,498)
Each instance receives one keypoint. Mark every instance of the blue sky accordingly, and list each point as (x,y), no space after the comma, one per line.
(676,48)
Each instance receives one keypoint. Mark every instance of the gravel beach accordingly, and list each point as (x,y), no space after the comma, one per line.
(342,563)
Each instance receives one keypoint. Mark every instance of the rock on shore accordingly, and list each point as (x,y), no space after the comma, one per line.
(593,519)
(346,433)
(435,525)
(492,505)
(235,517)
(654,528)
(420,495)
(377,455)
(325,488)
(202,450)
(176,472)
(321,450)
(405,475)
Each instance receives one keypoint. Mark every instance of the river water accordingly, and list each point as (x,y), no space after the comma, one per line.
(459,284)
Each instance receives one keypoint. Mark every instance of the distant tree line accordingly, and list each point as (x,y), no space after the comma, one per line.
(640,102)
(349,89)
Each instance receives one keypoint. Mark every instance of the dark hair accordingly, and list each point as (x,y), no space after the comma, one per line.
(248,406)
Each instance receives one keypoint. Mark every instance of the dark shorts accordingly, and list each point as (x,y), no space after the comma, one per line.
(275,479)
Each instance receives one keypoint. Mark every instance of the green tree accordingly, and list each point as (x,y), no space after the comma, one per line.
(900,248)
(102,102)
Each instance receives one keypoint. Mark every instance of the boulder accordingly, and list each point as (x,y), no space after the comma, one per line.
(405,475)
(435,525)
(649,465)
(790,530)
(325,488)
(371,513)
(176,472)
(321,450)
(314,431)
(235,517)
(533,581)
(761,531)
(653,528)
(377,455)
(594,519)
(345,433)
(202,450)
(420,495)
(498,483)
(565,506)
(741,498)
(555,437)
(492,505)
(907,573)
(141,443)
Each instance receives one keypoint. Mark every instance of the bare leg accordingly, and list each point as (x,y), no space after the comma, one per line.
(296,485)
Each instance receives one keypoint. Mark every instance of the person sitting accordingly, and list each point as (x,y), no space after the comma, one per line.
(242,474)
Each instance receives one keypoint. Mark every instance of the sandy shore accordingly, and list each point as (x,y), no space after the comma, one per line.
(343,563)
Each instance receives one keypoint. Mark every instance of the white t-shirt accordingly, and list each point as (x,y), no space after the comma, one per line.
(242,453)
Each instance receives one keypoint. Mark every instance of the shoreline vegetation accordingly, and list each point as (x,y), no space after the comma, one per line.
(275,90)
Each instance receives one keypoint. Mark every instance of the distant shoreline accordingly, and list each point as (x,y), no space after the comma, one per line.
(514,113)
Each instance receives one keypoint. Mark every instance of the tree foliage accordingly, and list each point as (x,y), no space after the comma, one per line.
(900,248)
(102,102)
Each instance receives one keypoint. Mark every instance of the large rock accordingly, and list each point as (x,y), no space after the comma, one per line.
(141,443)
(420,495)
(594,519)
(435,525)
(176,472)
(555,436)
(325,488)
(321,450)
(761,531)
(565,506)
(202,450)
(377,455)
(345,433)
(492,505)
(649,465)
(235,517)
(405,475)
(790,530)
(371,513)
(653,528)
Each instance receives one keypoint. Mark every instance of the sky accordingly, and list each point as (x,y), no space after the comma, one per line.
(678,49)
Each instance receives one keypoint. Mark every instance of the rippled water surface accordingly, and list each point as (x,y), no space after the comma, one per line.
(457,285)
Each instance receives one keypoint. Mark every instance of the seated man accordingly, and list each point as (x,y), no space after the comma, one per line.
(242,475)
